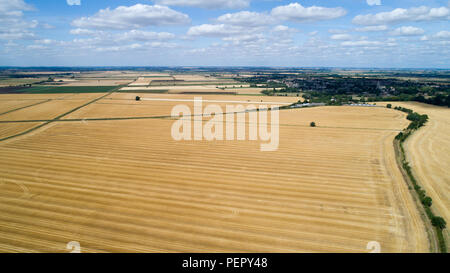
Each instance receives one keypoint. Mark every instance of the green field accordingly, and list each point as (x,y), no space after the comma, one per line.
(67,89)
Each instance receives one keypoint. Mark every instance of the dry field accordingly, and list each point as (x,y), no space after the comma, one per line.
(156,105)
(428,151)
(141,82)
(176,89)
(47,110)
(127,186)
(179,88)
(96,82)
(29,107)
(193,78)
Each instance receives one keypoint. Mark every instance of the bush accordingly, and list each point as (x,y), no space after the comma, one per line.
(427,201)
(313,124)
(438,222)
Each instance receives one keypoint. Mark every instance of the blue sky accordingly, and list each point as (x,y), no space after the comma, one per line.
(309,33)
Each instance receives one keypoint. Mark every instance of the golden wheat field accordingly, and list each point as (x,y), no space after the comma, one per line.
(428,151)
(127,186)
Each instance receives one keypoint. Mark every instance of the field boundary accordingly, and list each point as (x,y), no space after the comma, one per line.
(24,107)
(423,202)
(60,116)
(431,233)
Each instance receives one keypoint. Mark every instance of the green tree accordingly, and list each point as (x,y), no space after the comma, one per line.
(313,124)
(389,106)
(438,222)
(427,201)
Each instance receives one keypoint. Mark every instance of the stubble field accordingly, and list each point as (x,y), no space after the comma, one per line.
(428,151)
(127,186)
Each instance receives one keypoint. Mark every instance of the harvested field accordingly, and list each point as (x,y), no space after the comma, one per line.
(214,84)
(124,105)
(68,89)
(141,82)
(18,81)
(11,105)
(47,110)
(176,89)
(10,129)
(255,99)
(127,186)
(428,151)
(246,90)
(192,78)
(96,82)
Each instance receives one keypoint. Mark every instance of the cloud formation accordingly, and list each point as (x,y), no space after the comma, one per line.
(246,18)
(12,24)
(374,2)
(407,31)
(218,30)
(132,17)
(74,2)
(298,13)
(399,15)
(207,4)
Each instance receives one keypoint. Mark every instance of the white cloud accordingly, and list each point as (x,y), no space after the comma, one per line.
(74,2)
(296,12)
(284,29)
(337,31)
(132,17)
(208,4)
(399,15)
(407,31)
(443,34)
(342,37)
(361,43)
(374,2)
(246,18)
(13,7)
(13,26)
(372,28)
(138,35)
(83,31)
(246,38)
(102,38)
(219,30)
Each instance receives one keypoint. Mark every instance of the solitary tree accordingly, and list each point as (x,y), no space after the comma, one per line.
(389,106)
(138,98)
(313,124)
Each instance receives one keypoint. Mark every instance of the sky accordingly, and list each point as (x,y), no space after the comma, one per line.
(273,33)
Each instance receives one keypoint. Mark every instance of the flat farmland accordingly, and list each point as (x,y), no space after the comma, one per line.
(10,129)
(428,151)
(154,105)
(46,110)
(127,186)
(11,105)
(95,82)
(209,97)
